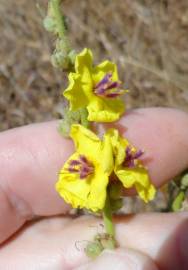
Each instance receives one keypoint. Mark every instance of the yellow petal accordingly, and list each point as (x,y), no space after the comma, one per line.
(139,178)
(105,110)
(87,84)
(119,144)
(73,190)
(102,69)
(71,187)
(97,196)
(146,194)
(74,92)
(107,160)
(80,83)
(84,59)
(86,142)
(87,193)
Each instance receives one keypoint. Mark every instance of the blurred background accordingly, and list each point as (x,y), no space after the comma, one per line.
(147,39)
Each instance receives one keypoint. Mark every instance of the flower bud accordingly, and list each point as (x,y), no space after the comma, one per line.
(50,24)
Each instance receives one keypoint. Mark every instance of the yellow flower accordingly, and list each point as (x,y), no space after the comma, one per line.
(95,88)
(84,177)
(128,168)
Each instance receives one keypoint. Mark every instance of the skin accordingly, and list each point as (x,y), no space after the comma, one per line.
(36,231)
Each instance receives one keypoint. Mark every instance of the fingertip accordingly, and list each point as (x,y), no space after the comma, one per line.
(162,133)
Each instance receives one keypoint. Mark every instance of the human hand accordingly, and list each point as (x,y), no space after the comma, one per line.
(30,158)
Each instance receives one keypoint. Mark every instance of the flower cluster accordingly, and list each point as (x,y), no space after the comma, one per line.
(96,174)
(85,176)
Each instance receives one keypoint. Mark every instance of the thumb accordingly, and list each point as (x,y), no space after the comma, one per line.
(120,259)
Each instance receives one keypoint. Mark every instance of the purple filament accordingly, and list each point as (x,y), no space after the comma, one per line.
(81,166)
(131,157)
(108,88)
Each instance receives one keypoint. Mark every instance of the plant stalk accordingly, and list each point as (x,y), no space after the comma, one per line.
(60,23)
(108,223)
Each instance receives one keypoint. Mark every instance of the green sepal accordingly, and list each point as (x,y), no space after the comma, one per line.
(69,118)
(83,116)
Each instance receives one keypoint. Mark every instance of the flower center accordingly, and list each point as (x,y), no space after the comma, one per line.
(82,166)
(131,157)
(107,88)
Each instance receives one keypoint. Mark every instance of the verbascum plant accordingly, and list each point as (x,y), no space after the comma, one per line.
(102,167)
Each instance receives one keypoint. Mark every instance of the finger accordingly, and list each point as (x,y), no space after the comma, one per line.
(58,243)
(120,259)
(163,237)
(162,133)
(30,158)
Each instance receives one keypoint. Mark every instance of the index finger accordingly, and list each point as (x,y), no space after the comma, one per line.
(31,156)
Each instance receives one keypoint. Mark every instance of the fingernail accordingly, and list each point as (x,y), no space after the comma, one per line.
(183,246)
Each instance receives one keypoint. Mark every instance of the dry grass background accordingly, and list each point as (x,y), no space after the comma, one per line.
(147,39)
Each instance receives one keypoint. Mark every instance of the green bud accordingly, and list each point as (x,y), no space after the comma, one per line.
(59,60)
(50,24)
(64,128)
(184,181)
(69,118)
(177,203)
(73,116)
(61,46)
(72,56)
(83,117)
(94,249)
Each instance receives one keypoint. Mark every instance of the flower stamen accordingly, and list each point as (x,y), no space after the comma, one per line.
(82,166)
(107,88)
(131,157)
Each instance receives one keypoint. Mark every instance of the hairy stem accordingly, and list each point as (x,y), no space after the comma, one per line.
(60,23)
(83,116)
(108,223)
